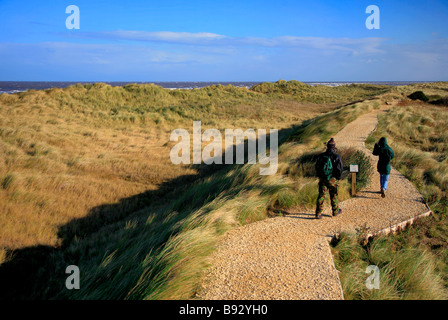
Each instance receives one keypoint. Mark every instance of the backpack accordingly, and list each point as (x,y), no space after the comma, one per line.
(324,167)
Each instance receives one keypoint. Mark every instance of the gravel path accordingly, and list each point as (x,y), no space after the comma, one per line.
(289,257)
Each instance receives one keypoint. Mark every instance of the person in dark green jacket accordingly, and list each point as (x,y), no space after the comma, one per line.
(329,178)
(385,154)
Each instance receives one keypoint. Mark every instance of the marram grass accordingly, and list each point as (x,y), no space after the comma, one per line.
(413,263)
(91,172)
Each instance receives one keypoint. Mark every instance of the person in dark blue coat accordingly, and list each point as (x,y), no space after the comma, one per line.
(385,154)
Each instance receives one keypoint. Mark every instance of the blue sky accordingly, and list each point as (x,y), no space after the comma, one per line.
(223,41)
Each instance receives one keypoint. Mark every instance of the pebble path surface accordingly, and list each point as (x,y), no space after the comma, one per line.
(289,257)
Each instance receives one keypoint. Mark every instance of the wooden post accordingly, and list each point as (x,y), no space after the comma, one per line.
(353,183)
(354,168)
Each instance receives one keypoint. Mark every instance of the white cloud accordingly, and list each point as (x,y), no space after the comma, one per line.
(361,45)
(170,56)
(157,36)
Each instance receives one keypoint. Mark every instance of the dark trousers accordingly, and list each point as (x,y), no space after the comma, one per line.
(332,187)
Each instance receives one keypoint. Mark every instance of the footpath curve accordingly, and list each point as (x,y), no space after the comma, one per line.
(290,257)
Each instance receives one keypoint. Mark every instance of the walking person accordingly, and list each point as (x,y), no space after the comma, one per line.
(329,170)
(385,154)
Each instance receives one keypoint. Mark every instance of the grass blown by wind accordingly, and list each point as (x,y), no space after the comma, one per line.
(86,180)
(413,263)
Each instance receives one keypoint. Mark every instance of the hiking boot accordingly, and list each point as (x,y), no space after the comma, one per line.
(337,213)
(318,216)
(383,193)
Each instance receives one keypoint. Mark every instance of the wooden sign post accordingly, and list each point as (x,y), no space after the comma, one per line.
(354,168)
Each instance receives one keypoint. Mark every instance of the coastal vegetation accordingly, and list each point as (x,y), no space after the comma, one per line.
(86,179)
(413,262)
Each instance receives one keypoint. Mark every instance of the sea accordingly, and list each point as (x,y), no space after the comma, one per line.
(20,86)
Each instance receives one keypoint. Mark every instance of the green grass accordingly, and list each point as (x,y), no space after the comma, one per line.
(320,94)
(102,105)
(321,128)
(406,272)
(72,151)
(413,263)
(161,250)
(151,244)
(7,180)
